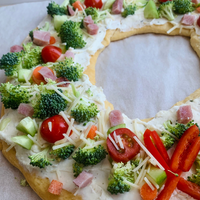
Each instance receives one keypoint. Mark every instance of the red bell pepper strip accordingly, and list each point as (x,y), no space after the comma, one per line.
(181,149)
(170,186)
(191,155)
(189,188)
(155,152)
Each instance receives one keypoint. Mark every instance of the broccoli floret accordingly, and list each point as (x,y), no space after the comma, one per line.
(178,129)
(48,104)
(166,10)
(129,10)
(68,69)
(77,168)
(55,9)
(90,156)
(12,96)
(32,56)
(11,63)
(40,159)
(183,6)
(120,173)
(83,113)
(167,140)
(96,14)
(44,28)
(64,152)
(71,34)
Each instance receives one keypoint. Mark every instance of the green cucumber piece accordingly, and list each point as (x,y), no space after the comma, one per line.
(22,74)
(108,4)
(150,11)
(23,141)
(4,123)
(110,130)
(27,126)
(58,21)
(157,174)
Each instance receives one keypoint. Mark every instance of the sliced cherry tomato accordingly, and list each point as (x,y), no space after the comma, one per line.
(94,3)
(160,154)
(58,128)
(189,188)
(191,155)
(52,40)
(51,53)
(131,147)
(198,21)
(181,149)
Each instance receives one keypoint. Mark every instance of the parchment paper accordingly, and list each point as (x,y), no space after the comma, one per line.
(140,76)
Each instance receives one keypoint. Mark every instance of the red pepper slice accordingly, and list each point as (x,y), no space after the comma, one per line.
(189,188)
(155,152)
(181,149)
(191,155)
(170,186)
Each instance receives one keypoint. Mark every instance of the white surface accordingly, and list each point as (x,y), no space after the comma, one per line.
(10,2)
(150,73)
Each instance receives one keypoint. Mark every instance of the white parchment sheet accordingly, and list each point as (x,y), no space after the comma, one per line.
(140,76)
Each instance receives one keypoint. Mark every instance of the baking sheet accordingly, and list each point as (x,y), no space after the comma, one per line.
(140,75)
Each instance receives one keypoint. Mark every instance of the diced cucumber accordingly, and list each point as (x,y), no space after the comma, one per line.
(4,123)
(58,21)
(157,174)
(108,4)
(23,74)
(150,11)
(27,126)
(23,141)
(110,130)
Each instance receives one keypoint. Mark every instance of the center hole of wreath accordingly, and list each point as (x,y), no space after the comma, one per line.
(144,74)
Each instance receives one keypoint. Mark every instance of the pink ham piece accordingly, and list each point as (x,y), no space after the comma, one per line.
(62,79)
(83,179)
(117,7)
(67,54)
(47,73)
(41,38)
(25,109)
(195,2)
(184,114)
(87,20)
(70,11)
(16,48)
(115,118)
(188,20)
(92,29)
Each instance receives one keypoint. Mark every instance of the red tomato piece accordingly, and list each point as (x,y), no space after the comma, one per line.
(191,155)
(189,188)
(59,127)
(55,187)
(198,20)
(94,3)
(131,147)
(181,149)
(51,53)
(157,153)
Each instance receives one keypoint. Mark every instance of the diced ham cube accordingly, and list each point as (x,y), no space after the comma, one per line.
(70,11)
(196,2)
(188,20)
(83,179)
(115,118)
(55,187)
(62,79)
(67,54)
(184,114)
(25,110)
(87,20)
(41,38)
(16,48)
(92,29)
(47,73)
(117,7)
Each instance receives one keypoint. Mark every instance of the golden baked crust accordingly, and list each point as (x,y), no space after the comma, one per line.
(40,185)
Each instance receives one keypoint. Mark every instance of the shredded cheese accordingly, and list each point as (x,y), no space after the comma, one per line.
(120,142)
(152,181)
(131,184)
(10,147)
(35,141)
(70,140)
(141,164)
(70,127)
(113,142)
(50,126)
(115,137)
(100,134)
(60,145)
(88,130)
(149,183)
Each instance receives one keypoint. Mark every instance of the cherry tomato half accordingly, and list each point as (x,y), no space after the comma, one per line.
(58,128)
(93,3)
(51,53)
(131,147)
